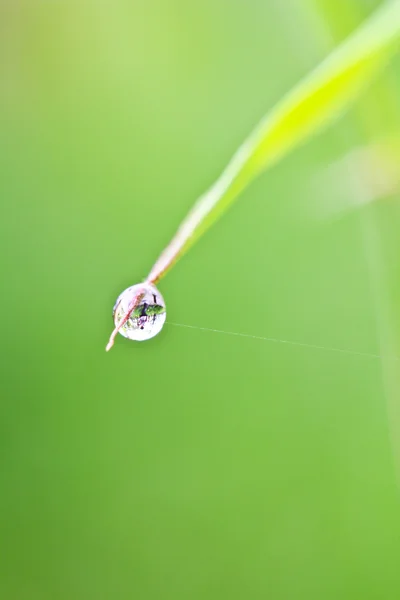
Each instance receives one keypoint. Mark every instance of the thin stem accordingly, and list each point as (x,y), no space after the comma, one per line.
(229,185)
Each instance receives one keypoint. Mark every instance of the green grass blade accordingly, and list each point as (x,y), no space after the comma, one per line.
(311,105)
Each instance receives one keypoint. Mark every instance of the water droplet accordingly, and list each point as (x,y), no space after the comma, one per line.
(147,319)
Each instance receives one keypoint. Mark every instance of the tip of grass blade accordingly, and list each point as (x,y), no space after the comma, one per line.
(133,304)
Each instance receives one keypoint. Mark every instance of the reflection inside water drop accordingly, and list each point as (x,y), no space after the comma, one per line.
(147,319)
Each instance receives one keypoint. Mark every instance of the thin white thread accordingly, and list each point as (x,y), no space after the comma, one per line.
(289,342)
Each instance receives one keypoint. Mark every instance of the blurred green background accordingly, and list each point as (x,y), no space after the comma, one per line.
(197,465)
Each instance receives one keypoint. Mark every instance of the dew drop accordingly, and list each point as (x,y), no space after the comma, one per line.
(147,319)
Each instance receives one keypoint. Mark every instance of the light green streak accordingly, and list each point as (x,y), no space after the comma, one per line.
(311,105)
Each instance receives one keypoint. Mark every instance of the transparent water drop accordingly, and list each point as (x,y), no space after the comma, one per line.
(147,319)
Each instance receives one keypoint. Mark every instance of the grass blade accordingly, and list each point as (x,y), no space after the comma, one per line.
(317,100)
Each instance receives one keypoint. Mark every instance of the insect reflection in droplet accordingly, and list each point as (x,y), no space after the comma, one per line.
(147,318)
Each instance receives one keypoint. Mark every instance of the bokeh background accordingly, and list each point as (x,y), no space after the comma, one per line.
(197,465)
